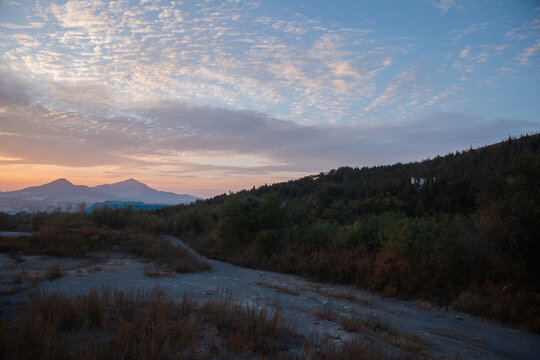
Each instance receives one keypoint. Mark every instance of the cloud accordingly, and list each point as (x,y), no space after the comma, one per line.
(171,87)
(458,34)
(171,136)
(526,31)
(524,57)
(473,55)
(32,25)
(445,5)
(227,54)
(394,90)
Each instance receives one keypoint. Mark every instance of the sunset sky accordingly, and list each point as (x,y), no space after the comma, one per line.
(203,97)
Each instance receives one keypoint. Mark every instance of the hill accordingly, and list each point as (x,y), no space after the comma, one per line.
(461,229)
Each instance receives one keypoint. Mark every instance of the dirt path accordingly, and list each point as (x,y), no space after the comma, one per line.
(314,307)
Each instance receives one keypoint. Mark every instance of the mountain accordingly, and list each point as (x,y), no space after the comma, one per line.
(133,190)
(58,190)
(64,195)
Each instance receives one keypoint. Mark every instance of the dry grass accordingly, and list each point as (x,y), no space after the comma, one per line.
(106,323)
(17,258)
(3,304)
(353,349)
(379,328)
(27,276)
(349,296)
(94,269)
(154,271)
(467,336)
(141,324)
(20,277)
(83,239)
(278,288)
(11,290)
(325,312)
(54,272)
(515,307)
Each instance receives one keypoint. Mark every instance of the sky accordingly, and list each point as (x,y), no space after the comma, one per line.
(206,97)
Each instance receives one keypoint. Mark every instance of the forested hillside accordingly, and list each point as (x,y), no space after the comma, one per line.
(461,229)
(465,230)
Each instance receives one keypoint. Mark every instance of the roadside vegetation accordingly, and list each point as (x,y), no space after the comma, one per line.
(111,324)
(459,230)
(80,237)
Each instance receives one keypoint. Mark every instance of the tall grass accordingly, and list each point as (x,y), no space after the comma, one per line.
(111,324)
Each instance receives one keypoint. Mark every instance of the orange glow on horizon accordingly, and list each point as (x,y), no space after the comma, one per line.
(17,177)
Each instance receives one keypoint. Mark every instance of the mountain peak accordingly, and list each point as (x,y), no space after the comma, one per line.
(60,182)
(131,182)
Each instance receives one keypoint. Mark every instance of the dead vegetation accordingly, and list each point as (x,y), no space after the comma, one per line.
(107,323)
(349,296)
(325,312)
(84,239)
(379,328)
(54,272)
(357,347)
(278,288)
(17,258)
(154,271)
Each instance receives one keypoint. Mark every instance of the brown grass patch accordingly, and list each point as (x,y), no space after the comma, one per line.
(278,288)
(376,326)
(84,238)
(349,296)
(3,304)
(106,323)
(26,276)
(17,258)
(11,290)
(354,349)
(325,312)
(516,307)
(154,271)
(54,272)
(141,324)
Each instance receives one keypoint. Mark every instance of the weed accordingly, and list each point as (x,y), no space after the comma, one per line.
(3,304)
(54,272)
(84,239)
(325,312)
(349,296)
(376,326)
(20,277)
(156,272)
(142,324)
(95,269)
(17,258)
(278,288)
(10,290)
(352,349)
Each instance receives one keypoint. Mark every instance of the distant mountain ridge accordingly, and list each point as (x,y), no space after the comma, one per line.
(62,194)
(134,190)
